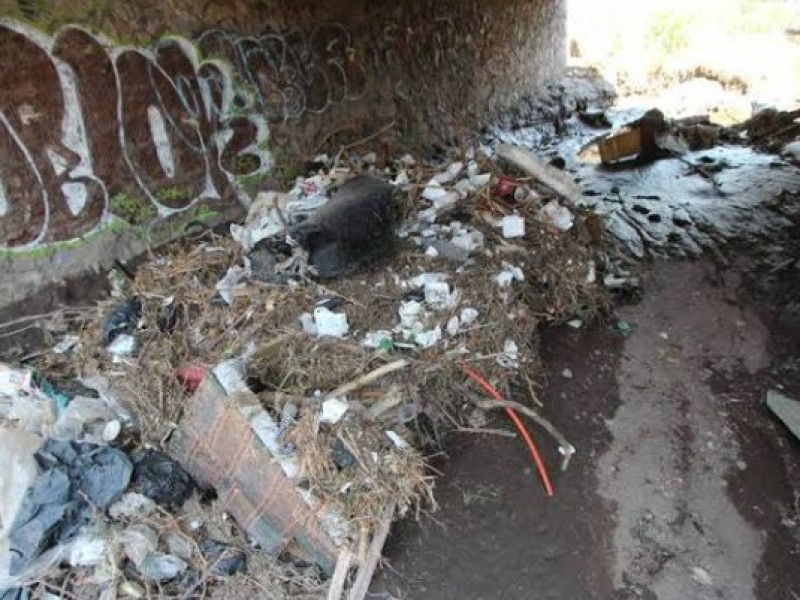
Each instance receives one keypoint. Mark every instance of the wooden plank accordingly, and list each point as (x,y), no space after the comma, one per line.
(368,567)
(339,579)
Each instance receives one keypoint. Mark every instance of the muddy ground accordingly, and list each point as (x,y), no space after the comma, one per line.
(684,484)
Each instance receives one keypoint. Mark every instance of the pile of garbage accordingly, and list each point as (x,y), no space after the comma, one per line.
(246,414)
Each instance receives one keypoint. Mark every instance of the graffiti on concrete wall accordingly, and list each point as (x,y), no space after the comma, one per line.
(88,127)
(83,121)
(292,74)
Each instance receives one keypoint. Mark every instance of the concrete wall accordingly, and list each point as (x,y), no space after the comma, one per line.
(122,122)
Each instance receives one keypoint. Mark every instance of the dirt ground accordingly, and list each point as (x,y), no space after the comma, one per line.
(683,486)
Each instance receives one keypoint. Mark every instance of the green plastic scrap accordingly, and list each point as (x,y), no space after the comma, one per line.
(386,345)
(786,409)
(625,328)
(60,398)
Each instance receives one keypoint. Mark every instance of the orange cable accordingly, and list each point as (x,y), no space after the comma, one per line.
(548,486)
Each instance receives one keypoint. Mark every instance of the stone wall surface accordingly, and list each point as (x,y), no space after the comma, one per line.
(115,116)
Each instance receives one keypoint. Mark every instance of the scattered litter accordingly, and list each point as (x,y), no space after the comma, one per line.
(381,339)
(231,376)
(625,328)
(557,180)
(556,216)
(264,220)
(575,323)
(439,296)
(468,316)
(74,479)
(329,324)
(786,409)
(333,410)
(450,175)
(191,376)
(453,326)
(225,560)
(325,428)
(66,344)
(448,250)
(353,230)
(615,282)
(398,440)
(161,479)
(230,283)
(123,319)
(567,374)
(509,359)
(342,457)
(123,346)
(505,188)
(509,275)
(513,226)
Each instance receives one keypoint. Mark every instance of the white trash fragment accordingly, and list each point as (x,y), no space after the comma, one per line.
(333,410)
(401,180)
(19,469)
(424,279)
(411,314)
(123,346)
(468,316)
(111,431)
(591,275)
(567,374)
(450,175)
(575,323)
(263,220)
(431,252)
(792,150)
(510,357)
(427,339)
(329,323)
(230,283)
(231,375)
(308,324)
(434,192)
(377,339)
(453,325)
(398,440)
(509,275)
(513,226)
(468,240)
(480,180)
(556,216)
(439,296)
(67,344)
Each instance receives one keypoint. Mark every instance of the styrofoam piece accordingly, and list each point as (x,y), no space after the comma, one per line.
(513,226)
